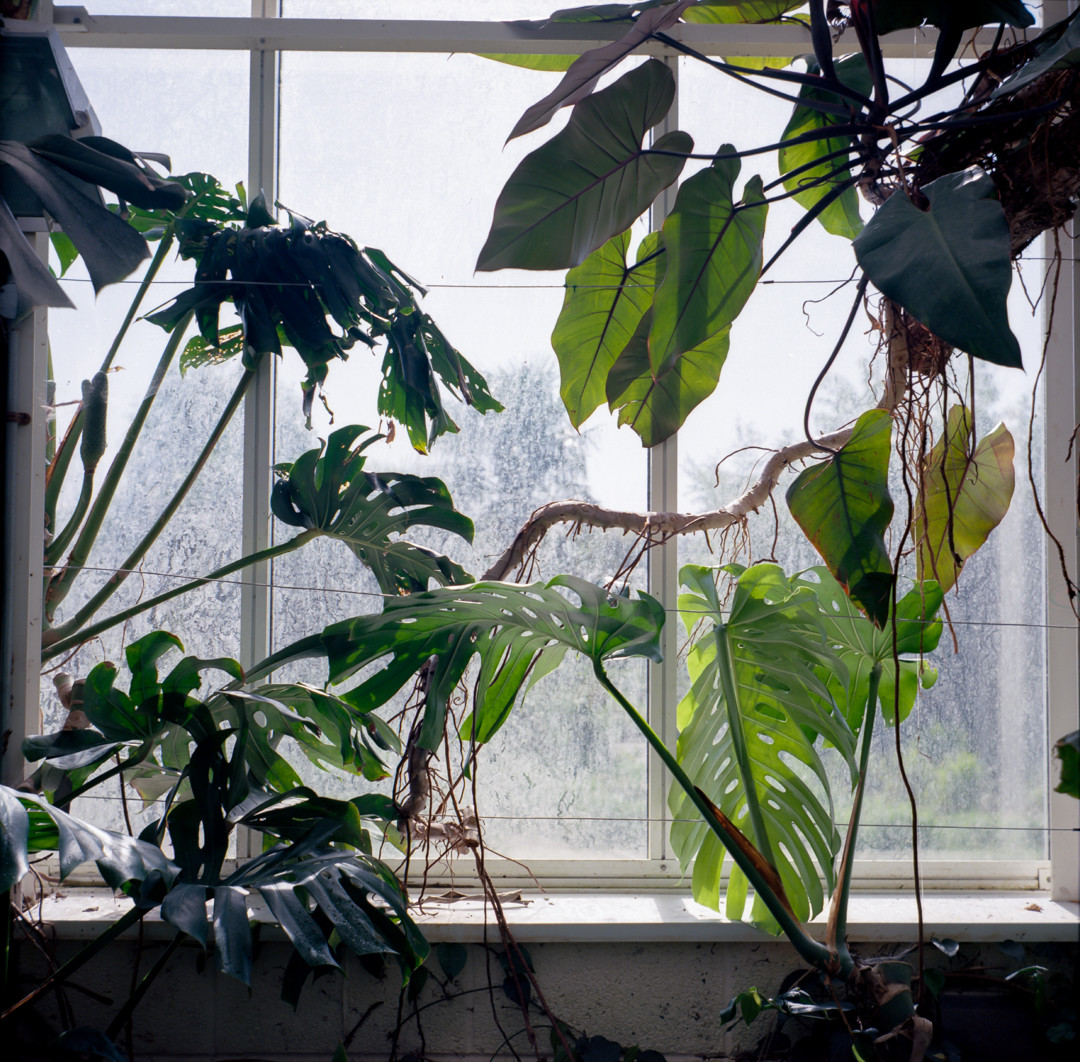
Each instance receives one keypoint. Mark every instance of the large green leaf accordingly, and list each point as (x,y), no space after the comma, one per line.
(747,731)
(890,15)
(605,300)
(713,260)
(811,185)
(512,628)
(1059,54)
(655,404)
(327,490)
(589,182)
(965,493)
(843,506)
(949,265)
(860,645)
(29,823)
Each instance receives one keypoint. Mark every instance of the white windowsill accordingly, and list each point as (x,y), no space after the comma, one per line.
(659,917)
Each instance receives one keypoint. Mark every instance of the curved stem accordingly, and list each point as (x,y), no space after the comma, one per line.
(66,640)
(810,950)
(55,549)
(61,584)
(116,580)
(134,999)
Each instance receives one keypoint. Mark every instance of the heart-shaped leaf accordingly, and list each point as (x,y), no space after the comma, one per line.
(965,494)
(948,265)
(843,506)
(591,181)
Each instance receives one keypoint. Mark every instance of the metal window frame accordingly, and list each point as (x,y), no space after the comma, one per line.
(265,35)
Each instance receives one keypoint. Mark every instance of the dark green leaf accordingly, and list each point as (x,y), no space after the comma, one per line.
(712,261)
(184,907)
(232,932)
(947,946)
(1068,753)
(843,506)
(452,958)
(965,493)
(890,15)
(1013,949)
(1055,55)
(841,217)
(35,285)
(14,839)
(606,298)
(590,181)
(109,246)
(949,265)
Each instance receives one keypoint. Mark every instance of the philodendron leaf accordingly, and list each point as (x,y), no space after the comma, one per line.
(1062,53)
(949,266)
(841,217)
(606,297)
(591,181)
(741,11)
(327,490)
(655,404)
(510,627)
(585,71)
(712,261)
(747,732)
(843,506)
(1068,753)
(965,493)
(890,15)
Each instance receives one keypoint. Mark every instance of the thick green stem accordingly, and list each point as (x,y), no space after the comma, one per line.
(55,549)
(837,933)
(725,666)
(58,464)
(116,580)
(810,950)
(61,584)
(66,640)
(135,998)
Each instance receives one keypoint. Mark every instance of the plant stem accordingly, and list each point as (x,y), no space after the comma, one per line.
(60,584)
(71,641)
(58,465)
(837,932)
(116,580)
(80,958)
(55,549)
(136,997)
(810,950)
(725,667)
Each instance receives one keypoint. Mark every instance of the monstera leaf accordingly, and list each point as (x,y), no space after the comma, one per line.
(326,490)
(592,180)
(514,629)
(291,285)
(747,732)
(965,494)
(30,824)
(860,645)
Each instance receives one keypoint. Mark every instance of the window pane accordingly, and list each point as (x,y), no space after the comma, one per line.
(974,745)
(417,176)
(205,532)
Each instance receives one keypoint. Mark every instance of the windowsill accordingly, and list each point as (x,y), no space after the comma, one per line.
(659,917)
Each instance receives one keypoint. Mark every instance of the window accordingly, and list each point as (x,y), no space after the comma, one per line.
(374,127)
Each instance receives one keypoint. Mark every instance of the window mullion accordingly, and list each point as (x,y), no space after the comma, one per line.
(663,565)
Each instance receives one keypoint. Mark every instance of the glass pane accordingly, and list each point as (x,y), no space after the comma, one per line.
(974,746)
(205,532)
(418,179)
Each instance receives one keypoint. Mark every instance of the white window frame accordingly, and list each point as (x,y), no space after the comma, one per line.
(265,35)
